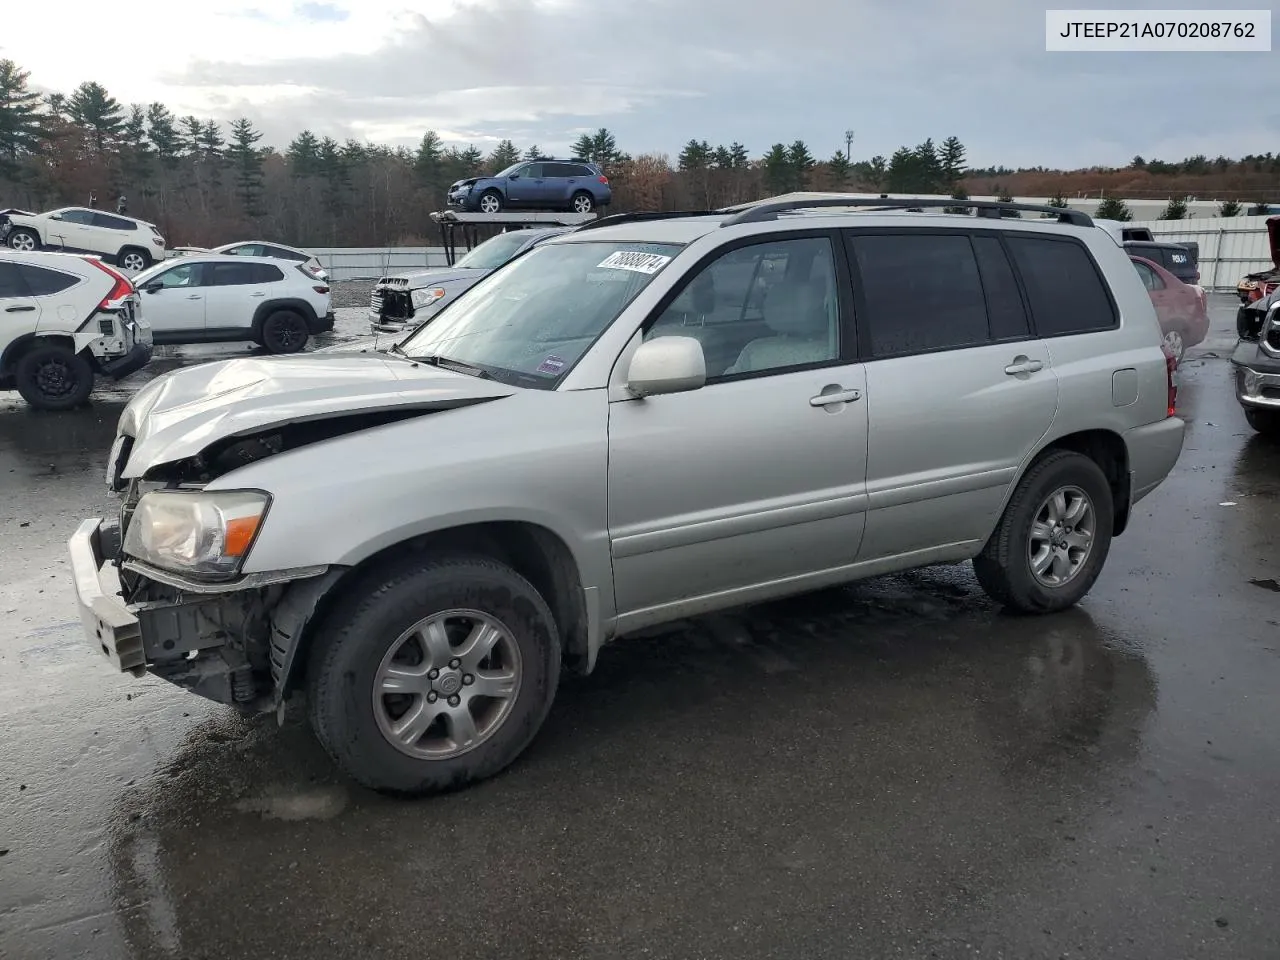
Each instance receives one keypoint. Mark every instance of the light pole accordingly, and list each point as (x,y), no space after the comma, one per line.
(848,145)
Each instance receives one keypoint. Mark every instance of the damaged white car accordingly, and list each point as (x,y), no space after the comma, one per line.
(634,423)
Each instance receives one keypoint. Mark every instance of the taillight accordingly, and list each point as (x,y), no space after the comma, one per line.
(1171,367)
(319,289)
(603,178)
(121,287)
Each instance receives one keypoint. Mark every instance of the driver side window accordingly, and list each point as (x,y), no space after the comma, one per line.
(762,308)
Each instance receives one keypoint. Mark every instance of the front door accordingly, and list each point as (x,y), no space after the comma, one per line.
(524,189)
(755,482)
(959,390)
(72,231)
(173,302)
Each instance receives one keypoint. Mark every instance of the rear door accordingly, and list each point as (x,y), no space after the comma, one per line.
(107,234)
(236,290)
(173,302)
(19,311)
(959,389)
(563,180)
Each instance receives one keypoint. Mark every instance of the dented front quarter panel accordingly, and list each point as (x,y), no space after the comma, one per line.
(177,416)
(539,457)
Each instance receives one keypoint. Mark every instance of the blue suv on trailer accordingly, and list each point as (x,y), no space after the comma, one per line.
(574,185)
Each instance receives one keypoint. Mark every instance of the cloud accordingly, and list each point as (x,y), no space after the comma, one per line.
(661,72)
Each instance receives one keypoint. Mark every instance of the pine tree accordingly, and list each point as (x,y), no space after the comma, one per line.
(951,161)
(211,150)
(98,113)
(503,156)
(696,156)
(429,161)
(958,194)
(533,153)
(581,149)
(722,159)
(839,168)
(163,134)
(189,130)
(877,170)
(777,169)
(20,122)
(303,155)
(928,167)
(471,161)
(1175,209)
(740,158)
(1113,208)
(135,152)
(801,162)
(901,175)
(1058,200)
(1230,208)
(246,159)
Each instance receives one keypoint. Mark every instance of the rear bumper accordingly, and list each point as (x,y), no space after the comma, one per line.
(131,362)
(1153,450)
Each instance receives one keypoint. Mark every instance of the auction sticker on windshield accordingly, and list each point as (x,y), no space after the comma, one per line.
(634,261)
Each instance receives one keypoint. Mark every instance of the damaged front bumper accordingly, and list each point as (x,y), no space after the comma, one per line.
(231,643)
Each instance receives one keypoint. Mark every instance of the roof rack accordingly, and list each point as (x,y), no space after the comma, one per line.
(614,219)
(769,209)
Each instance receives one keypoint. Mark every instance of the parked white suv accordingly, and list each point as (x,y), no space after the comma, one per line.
(276,251)
(203,298)
(647,419)
(129,243)
(63,319)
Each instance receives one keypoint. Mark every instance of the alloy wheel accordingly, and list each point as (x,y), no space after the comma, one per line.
(1061,537)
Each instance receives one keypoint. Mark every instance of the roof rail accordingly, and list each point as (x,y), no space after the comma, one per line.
(769,209)
(618,218)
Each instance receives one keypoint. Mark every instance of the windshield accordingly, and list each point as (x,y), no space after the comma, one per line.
(530,322)
(509,171)
(494,252)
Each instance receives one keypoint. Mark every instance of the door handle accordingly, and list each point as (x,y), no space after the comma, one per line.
(1022,366)
(258,294)
(18,309)
(837,396)
(195,296)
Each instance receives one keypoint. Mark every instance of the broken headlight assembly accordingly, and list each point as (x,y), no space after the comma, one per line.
(205,535)
(426,297)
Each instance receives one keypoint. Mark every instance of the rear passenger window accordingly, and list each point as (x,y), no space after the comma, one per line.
(922,293)
(1065,289)
(280,253)
(44,283)
(1005,309)
(11,284)
(265,273)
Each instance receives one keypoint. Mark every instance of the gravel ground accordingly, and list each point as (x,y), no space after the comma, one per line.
(351,293)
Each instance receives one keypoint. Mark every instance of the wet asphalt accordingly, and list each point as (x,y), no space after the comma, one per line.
(896,769)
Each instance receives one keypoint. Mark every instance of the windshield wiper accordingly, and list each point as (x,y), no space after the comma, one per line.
(457,366)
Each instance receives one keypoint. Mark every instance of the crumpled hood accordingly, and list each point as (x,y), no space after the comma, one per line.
(430,278)
(179,414)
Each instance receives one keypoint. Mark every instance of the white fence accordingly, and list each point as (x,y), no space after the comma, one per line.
(370,263)
(1230,247)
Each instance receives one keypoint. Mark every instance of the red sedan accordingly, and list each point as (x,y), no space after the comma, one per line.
(1183,310)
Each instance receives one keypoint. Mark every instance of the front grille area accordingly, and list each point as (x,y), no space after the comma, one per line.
(1249,323)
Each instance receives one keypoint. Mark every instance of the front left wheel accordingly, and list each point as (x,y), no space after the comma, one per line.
(23,240)
(53,378)
(434,675)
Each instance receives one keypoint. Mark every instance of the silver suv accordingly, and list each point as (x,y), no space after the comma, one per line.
(644,420)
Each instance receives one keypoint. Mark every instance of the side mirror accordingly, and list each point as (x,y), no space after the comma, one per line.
(514,176)
(55,216)
(667,365)
(153,287)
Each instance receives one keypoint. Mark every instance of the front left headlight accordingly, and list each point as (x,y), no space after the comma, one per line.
(426,297)
(202,534)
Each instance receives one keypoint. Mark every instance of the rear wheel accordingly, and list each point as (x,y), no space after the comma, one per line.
(53,378)
(434,675)
(24,240)
(1053,538)
(285,332)
(131,258)
(583,202)
(491,202)
(1266,422)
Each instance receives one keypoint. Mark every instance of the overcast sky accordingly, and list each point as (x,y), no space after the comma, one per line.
(658,72)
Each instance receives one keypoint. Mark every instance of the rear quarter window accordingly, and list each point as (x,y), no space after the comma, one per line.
(44,283)
(1064,287)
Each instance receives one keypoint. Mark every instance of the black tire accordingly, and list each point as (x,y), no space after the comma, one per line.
(1265,422)
(285,331)
(493,197)
(128,254)
(1004,566)
(362,629)
(582,202)
(53,378)
(24,239)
